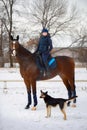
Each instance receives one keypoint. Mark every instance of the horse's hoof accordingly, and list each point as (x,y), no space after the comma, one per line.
(33,108)
(27,107)
(73,105)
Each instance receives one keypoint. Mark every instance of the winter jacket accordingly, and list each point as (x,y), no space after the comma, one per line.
(45,44)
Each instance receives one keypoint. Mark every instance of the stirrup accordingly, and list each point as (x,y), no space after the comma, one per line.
(48,73)
(44,74)
(41,71)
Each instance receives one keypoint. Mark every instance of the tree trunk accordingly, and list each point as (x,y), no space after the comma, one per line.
(11,60)
(10,57)
(1,52)
(10,31)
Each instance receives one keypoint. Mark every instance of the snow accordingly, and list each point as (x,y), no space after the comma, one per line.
(13,116)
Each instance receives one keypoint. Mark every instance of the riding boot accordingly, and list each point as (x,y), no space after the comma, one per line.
(47,71)
(41,72)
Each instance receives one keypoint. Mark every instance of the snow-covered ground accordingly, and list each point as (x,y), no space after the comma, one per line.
(13,116)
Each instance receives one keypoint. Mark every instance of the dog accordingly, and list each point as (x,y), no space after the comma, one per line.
(53,102)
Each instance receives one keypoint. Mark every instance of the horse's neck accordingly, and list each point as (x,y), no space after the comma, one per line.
(23,55)
(24,51)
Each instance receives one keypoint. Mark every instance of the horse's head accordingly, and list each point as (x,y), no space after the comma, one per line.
(14,45)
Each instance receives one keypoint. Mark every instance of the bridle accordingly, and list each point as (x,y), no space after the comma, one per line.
(13,50)
(14,42)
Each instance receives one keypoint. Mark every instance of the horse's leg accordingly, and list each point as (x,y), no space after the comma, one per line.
(28,86)
(65,81)
(69,95)
(73,89)
(73,95)
(34,94)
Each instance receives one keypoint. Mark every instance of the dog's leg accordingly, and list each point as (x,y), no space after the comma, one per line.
(63,110)
(48,111)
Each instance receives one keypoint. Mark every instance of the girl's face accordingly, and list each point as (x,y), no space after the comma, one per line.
(44,33)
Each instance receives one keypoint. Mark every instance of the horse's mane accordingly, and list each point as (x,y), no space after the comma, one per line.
(24,51)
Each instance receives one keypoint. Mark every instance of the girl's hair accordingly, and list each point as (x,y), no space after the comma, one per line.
(49,34)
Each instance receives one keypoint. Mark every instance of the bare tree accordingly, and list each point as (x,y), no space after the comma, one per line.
(79,36)
(1,40)
(52,14)
(7,20)
(1,32)
(79,40)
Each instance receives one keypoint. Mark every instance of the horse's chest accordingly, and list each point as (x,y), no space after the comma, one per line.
(27,72)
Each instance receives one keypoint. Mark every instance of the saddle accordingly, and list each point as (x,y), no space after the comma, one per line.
(51,62)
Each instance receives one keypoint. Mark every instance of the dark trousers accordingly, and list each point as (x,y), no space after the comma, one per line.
(45,56)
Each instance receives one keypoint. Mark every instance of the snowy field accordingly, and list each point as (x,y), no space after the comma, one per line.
(13,116)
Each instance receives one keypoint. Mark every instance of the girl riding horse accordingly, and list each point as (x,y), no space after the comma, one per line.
(44,48)
(29,71)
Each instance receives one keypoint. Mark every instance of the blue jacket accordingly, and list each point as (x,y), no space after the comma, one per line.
(45,44)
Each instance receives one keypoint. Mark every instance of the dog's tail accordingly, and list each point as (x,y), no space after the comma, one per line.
(70,99)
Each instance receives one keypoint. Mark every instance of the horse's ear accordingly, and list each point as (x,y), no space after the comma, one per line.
(41,91)
(46,92)
(17,37)
(11,37)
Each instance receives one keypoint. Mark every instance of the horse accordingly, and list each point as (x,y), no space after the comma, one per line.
(30,72)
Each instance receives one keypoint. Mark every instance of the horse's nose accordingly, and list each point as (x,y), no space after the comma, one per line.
(14,52)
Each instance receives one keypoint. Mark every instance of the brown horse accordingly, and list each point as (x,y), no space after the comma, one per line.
(30,72)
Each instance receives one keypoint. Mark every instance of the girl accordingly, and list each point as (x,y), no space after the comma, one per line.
(44,47)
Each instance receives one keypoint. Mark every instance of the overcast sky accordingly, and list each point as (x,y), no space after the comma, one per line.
(82,4)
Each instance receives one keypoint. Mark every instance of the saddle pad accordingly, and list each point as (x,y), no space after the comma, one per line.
(52,63)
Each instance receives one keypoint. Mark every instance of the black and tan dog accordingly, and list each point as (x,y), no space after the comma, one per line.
(53,102)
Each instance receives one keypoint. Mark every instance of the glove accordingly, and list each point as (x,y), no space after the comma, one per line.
(38,53)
